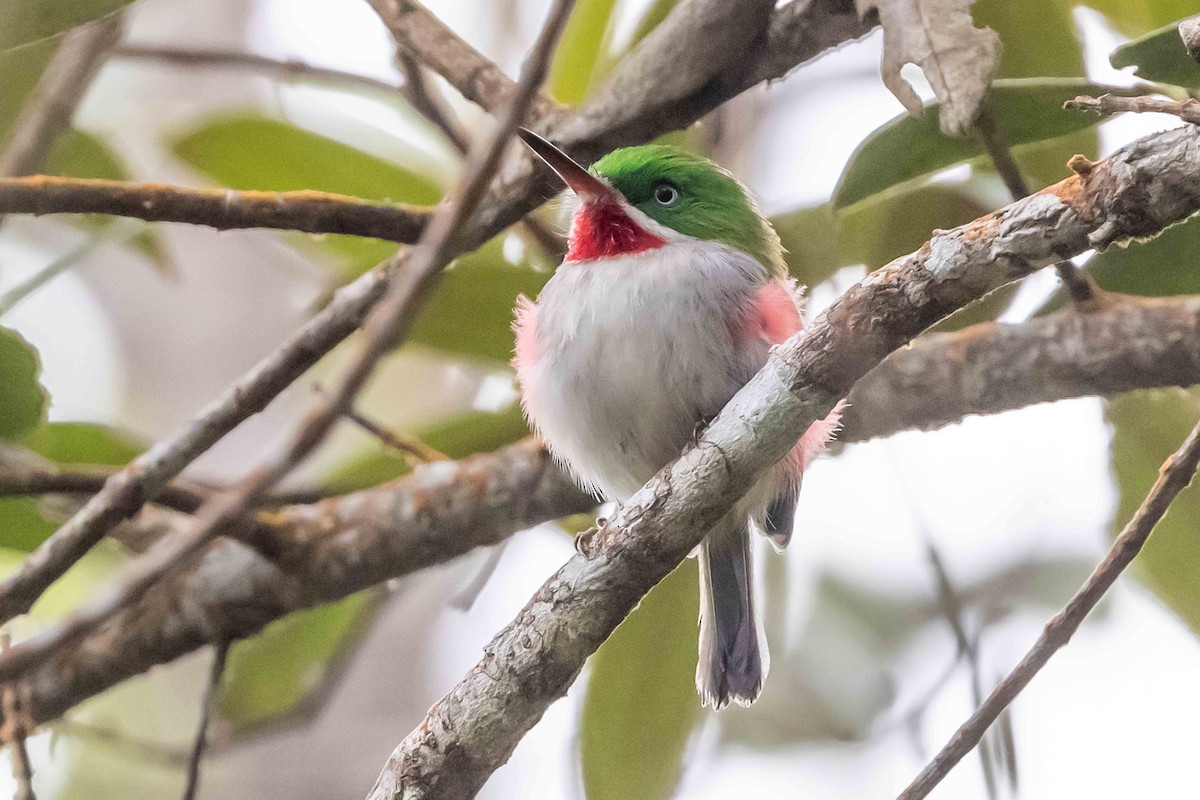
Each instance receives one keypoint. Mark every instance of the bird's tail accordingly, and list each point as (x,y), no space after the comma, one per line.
(733,654)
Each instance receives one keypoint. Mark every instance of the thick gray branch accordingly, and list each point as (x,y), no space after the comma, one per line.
(472,730)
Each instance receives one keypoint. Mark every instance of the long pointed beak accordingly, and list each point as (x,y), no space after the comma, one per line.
(578,179)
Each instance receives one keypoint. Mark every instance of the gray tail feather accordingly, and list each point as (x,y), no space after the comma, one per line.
(733,655)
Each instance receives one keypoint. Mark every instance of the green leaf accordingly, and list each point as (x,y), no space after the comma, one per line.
(1159,56)
(895,223)
(270,675)
(1035,45)
(252,152)
(574,68)
(1147,427)
(84,443)
(641,705)
(912,147)
(820,240)
(471,313)
(1168,264)
(20,71)
(25,21)
(1135,17)
(81,155)
(22,525)
(23,401)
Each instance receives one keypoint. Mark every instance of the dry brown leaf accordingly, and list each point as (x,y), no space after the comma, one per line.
(938,36)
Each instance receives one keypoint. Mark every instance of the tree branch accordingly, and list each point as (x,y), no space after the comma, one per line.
(224,209)
(1108,104)
(1173,477)
(790,41)
(423,36)
(286,69)
(473,729)
(318,553)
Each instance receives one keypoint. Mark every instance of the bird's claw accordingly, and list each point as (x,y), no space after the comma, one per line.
(585,542)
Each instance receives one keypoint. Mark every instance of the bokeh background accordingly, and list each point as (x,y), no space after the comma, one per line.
(875,660)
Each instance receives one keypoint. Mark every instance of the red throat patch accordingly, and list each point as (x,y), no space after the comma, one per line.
(604,230)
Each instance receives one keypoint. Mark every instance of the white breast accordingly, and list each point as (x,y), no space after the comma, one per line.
(632,352)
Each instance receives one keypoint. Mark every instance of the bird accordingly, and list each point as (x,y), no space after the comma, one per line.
(670,296)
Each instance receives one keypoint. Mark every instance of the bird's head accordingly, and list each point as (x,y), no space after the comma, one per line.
(639,198)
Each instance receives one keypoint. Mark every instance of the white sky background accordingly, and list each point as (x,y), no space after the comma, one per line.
(1113,716)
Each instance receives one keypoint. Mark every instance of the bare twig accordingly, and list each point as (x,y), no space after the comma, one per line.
(1109,104)
(968,647)
(14,732)
(428,102)
(385,326)
(474,728)
(207,711)
(49,109)
(408,445)
(995,141)
(796,34)
(289,69)
(223,209)
(1174,475)
(422,36)
(18,483)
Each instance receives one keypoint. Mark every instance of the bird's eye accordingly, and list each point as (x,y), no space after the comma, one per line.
(666,195)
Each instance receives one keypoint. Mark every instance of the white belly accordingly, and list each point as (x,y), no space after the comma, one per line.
(632,353)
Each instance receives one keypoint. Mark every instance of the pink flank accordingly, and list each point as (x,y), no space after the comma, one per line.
(773,314)
(525,326)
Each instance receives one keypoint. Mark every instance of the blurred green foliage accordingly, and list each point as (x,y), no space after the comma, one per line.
(1159,56)
(1146,428)
(640,708)
(22,400)
(908,148)
(26,21)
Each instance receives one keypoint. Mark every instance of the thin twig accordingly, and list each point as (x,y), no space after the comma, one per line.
(408,445)
(224,209)
(1173,477)
(207,711)
(1109,104)
(423,36)
(995,141)
(25,482)
(952,610)
(798,32)
(429,103)
(14,733)
(385,326)
(48,111)
(288,69)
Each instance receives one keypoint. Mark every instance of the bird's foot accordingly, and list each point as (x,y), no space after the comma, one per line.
(585,542)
